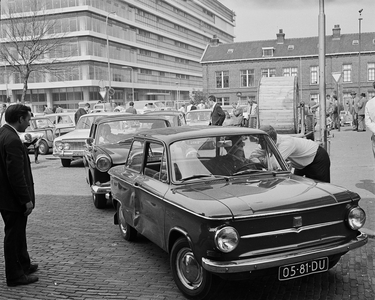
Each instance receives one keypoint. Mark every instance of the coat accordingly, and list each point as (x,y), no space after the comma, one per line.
(17,185)
(217,116)
(80,112)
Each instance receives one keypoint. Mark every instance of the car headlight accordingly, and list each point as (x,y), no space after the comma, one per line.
(356,218)
(66,146)
(58,145)
(103,163)
(226,239)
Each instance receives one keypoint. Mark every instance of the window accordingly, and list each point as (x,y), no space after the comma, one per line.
(347,73)
(314,75)
(223,101)
(371,71)
(290,71)
(247,78)
(268,73)
(371,95)
(315,97)
(135,157)
(268,51)
(155,166)
(222,79)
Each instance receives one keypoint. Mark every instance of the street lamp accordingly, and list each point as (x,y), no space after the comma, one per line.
(109,63)
(359,51)
(132,79)
(178,94)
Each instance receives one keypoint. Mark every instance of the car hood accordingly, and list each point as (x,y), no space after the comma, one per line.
(77,134)
(118,153)
(245,197)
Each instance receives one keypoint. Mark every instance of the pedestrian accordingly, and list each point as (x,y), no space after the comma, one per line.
(47,110)
(201,105)
(370,119)
(361,112)
(30,140)
(59,109)
(191,104)
(17,196)
(131,108)
(335,113)
(2,114)
(217,114)
(182,109)
(354,110)
(306,156)
(81,111)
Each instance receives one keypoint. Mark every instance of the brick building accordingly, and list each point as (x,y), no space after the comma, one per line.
(233,68)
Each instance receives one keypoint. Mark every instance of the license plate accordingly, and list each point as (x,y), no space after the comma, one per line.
(302,269)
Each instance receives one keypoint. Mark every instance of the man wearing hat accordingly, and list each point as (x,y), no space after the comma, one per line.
(370,119)
(354,110)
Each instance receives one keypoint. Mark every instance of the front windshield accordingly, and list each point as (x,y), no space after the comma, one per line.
(41,123)
(118,131)
(223,156)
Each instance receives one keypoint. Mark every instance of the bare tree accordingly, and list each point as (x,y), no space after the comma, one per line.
(32,41)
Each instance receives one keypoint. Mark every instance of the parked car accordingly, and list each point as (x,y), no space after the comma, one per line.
(70,146)
(346,118)
(176,118)
(42,125)
(64,122)
(203,117)
(108,145)
(143,106)
(223,203)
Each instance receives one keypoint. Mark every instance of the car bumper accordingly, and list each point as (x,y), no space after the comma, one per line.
(69,154)
(258,263)
(101,188)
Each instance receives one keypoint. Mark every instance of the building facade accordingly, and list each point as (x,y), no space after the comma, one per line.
(232,71)
(143,49)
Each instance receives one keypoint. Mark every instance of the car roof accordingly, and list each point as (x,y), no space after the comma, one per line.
(60,114)
(127,116)
(164,112)
(171,134)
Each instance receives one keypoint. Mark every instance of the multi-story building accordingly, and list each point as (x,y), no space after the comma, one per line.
(233,70)
(151,47)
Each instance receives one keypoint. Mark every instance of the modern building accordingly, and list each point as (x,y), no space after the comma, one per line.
(142,49)
(232,71)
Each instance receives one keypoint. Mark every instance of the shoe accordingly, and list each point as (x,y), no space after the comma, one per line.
(24,280)
(33,268)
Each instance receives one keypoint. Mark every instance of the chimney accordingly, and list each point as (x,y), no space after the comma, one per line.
(214,41)
(336,32)
(280,37)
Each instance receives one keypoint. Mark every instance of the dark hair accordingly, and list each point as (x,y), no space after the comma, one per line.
(131,103)
(212,97)
(270,131)
(363,94)
(87,104)
(15,112)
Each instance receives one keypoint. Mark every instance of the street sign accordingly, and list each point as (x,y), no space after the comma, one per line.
(111,92)
(103,92)
(336,76)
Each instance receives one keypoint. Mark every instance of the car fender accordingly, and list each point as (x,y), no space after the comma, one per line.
(173,235)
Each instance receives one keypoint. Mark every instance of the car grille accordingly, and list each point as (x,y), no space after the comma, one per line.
(75,145)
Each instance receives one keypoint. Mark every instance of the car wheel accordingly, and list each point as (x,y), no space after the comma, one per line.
(43,148)
(190,277)
(127,232)
(66,162)
(100,201)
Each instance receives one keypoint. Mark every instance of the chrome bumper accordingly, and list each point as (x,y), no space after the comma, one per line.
(69,154)
(270,261)
(103,188)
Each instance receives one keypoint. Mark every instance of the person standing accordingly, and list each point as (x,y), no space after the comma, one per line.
(217,114)
(361,112)
(2,114)
(17,199)
(335,114)
(306,156)
(370,119)
(59,109)
(131,108)
(354,110)
(201,105)
(81,111)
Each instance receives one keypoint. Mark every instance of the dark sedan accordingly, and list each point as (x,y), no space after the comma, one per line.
(223,203)
(108,145)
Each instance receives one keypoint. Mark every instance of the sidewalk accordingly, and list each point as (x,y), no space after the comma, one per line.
(353,167)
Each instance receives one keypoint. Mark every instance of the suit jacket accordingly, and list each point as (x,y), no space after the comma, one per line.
(80,112)
(16,179)
(217,115)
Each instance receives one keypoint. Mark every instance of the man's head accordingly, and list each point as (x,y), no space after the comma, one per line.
(87,107)
(212,99)
(131,103)
(4,106)
(353,94)
(363,95)
(270,131)
(18,115)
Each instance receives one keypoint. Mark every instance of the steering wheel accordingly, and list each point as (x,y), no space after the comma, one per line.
(258,166)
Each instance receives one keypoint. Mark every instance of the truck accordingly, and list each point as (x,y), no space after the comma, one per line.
(279,105)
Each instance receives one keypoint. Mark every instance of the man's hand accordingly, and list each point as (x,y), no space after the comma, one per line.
(29,208)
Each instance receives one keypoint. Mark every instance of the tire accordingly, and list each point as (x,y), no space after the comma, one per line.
(99,200)
(43,148)
(127,232)
(190,277)
(66,162)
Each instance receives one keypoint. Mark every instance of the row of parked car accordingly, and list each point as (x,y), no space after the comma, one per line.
(220,200)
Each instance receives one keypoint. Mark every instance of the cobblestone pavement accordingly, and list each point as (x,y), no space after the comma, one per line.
(82,256)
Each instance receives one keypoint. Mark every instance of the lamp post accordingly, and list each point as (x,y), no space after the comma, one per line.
(178,94)
(132,79)
(109,63)
(359,51)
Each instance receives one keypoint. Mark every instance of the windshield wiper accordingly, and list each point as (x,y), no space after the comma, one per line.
(249,172)
(195,177)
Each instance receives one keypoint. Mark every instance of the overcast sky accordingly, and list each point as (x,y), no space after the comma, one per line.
(262,19)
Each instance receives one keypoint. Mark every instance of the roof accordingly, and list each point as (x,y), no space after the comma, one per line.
(127,116)
(171,134)
(301,47)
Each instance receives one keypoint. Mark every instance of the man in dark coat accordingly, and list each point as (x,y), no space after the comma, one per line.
(81,111)
(17,197)
(217,115)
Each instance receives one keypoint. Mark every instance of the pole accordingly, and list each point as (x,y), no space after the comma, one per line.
(359,51)
(132,79)
(322,77)
(178,95)
(109,63)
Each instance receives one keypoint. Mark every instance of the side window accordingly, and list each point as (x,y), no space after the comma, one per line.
(154,161)
(135,157)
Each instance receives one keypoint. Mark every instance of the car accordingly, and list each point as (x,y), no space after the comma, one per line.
(224,204)
(203,117)
(107,146)
(176,118)
(64,122)
(70,146)
(346,118)
(42,125)
(143,106)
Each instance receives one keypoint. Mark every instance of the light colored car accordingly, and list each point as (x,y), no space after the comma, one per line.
(143,106)
(70,146)
(42,125)
(64,122)
(346,118)
(203,117)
